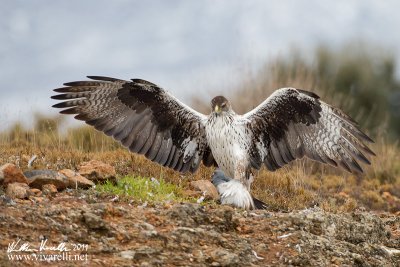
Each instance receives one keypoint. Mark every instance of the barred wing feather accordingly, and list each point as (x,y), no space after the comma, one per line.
(142,116)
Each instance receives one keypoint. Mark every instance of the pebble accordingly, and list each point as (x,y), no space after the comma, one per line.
(49,189)
(17,190)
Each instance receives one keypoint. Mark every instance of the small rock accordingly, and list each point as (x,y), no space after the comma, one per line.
(7,200)
(128,254)
(225,258)
(9,173)
(93,221)
(37,199)
(23,201)
(17,190)
(189,214)
(148,230)
(207,187)
(49,189)
(97,171)
(34,192)
(147,226)
(145,252)
(76,180)
(38,178)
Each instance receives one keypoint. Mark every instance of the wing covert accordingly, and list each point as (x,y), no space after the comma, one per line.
(142,116)
(293,123)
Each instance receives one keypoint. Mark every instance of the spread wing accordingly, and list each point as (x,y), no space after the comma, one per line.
(292,123)
(143,117)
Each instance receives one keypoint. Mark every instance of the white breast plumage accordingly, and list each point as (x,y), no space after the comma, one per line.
(228,143)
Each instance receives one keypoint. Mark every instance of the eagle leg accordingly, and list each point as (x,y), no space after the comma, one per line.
(243,173)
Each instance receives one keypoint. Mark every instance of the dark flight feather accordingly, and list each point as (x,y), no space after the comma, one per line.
(292,123)
(142,116)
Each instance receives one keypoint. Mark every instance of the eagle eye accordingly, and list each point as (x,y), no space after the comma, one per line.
(223,105)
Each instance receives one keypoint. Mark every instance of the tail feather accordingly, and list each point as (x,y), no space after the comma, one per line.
(259,205)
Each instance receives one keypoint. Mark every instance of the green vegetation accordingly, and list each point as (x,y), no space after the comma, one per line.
(143,189)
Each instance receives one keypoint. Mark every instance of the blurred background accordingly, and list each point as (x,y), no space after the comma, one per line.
(345,51)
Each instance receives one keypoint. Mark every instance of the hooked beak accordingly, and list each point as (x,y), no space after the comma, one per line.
(217,109)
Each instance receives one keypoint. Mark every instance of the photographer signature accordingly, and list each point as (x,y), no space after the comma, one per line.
(18,246)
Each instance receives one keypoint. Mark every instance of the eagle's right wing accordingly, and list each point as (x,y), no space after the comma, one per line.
(293,123)
(143,117)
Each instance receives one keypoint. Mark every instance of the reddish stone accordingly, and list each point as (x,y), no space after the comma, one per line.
(207,187)
(76,180)
(49,189)
(97,171)
(9,173)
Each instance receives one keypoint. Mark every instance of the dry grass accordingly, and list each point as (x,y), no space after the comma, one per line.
(299,185)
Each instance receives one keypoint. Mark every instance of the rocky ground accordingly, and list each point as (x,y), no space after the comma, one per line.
(119,234)
(103,231)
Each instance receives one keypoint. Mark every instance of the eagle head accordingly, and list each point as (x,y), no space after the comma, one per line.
(220,104)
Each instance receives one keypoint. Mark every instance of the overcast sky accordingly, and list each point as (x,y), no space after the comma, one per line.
(185,46)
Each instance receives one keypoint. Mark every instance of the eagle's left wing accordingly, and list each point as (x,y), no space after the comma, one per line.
(143,117)
(292,123)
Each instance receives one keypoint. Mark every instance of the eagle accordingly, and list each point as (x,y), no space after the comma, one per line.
(148,120)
